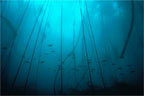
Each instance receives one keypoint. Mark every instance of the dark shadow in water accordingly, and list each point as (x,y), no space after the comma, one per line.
(117,89)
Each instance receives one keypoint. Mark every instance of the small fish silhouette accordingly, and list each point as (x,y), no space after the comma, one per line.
(4,48)
(26,61)
(75,69)
(104,64)
(58,65)
(104,60)
(113,64)
(42,62)
(93,69)
(53,51)
(89,61)
(129,65)
(121,74)
(119,68)
(69,55)
(50,45)
(80,66)
(47,54)
(49,68)
(132,71)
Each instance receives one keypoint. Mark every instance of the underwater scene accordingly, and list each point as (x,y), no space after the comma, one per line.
(71,47)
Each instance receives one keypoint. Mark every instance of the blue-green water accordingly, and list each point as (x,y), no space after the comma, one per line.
(71,47)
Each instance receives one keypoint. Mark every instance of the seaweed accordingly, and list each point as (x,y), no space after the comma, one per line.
(61,49)
(21,61)
(15,35)
(130,30)
(96,52)
(86,68)
(36,42)
(74,60)
(85,45)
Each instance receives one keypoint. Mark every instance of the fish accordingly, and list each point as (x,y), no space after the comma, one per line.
(75,69)
(69,55)
(42,62)
(104,60)
(119,68)
(53,51)
(58,65)
(121,74)
(88,83)
(49,68)
(47,54)
(104,64)
(132,71)
(4,48)
(26,61)
(113,64)
(50,45)
(80,65)
(89,61)
(129,65)
(93,69)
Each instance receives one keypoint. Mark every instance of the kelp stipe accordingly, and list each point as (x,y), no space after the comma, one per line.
(20,64)
(130,30)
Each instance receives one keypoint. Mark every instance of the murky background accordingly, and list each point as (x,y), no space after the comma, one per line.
(71,46)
